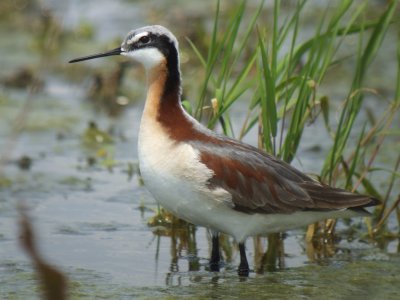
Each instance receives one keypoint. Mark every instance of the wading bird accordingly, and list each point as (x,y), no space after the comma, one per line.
(212,180)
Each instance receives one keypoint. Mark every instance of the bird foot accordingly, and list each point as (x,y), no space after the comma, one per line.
(214,266)
(243,271)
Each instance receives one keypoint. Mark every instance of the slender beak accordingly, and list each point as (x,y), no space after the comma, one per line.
(116,51)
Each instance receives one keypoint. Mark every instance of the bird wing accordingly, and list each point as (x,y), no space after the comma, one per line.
(261,183)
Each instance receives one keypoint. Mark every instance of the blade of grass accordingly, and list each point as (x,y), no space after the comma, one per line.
(268,107)
(355,159)
(352,106)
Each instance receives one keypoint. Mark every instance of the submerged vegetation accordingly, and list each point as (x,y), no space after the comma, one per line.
(254,57)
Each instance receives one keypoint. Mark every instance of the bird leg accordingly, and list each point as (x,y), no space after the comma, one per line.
(215,255)
(244,265)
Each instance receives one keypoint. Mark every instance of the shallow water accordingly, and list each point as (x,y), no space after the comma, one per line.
(92,222)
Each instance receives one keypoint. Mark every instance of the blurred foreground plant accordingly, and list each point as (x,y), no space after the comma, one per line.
(53,282)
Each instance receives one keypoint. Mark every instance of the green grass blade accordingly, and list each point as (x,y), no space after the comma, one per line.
(268,109)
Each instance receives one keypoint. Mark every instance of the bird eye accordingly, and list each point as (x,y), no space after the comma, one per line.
(144,39)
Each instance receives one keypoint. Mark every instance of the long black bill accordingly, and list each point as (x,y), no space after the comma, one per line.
(116,51)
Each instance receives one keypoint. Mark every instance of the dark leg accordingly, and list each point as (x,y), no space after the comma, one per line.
(244,265)
(215,257)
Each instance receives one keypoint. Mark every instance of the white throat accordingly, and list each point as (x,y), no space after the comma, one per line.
(148,57)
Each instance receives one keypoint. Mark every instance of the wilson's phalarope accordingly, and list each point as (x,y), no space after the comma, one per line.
(212,180)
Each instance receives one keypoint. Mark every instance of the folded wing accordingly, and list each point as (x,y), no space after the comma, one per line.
(260,183)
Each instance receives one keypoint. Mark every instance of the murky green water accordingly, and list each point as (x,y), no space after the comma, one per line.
(91,212)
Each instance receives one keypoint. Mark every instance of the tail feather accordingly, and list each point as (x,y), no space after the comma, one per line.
(327,197)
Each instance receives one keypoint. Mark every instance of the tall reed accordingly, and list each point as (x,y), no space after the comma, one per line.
(284,84)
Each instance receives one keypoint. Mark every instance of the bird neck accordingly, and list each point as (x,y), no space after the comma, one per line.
(163,102)
(163,109)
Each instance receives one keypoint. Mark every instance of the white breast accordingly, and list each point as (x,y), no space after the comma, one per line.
(176,178)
